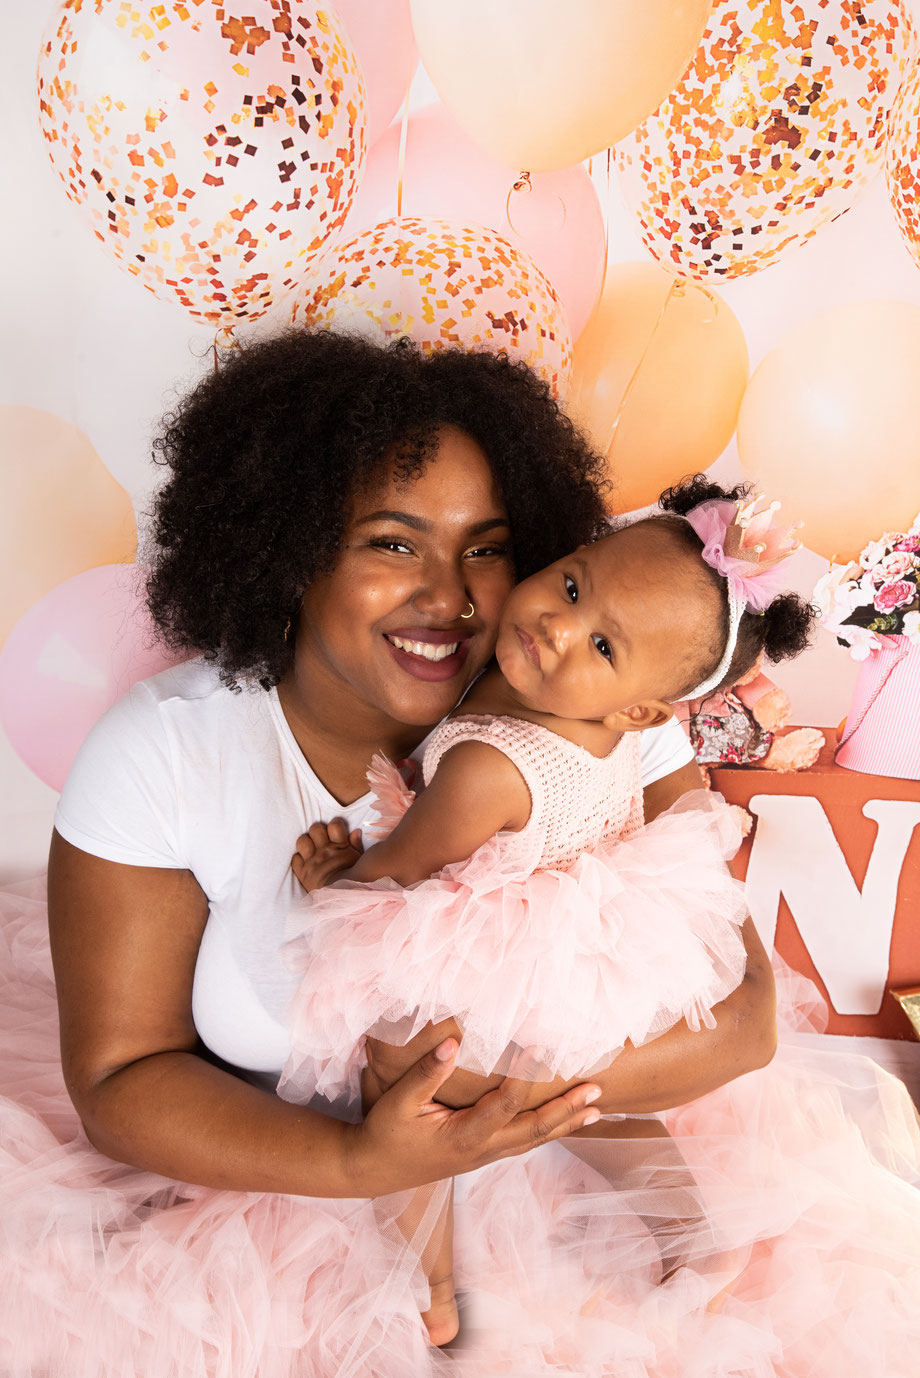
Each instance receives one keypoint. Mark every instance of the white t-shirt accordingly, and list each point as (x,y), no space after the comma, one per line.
(183,772)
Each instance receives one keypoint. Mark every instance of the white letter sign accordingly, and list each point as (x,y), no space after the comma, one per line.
(847,931)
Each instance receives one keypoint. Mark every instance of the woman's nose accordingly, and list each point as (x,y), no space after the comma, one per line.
(441,593)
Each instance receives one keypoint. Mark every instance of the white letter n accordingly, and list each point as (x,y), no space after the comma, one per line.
(847,932)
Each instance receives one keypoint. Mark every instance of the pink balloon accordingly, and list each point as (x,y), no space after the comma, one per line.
(558,223)
(68,659)
(384,43)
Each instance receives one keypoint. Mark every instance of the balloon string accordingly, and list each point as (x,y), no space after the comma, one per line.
(675,289)
(223,339)
(524,186)
(401,161)
(607,219)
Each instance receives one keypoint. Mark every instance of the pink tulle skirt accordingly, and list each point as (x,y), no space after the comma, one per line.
(569,965)
(804,1261)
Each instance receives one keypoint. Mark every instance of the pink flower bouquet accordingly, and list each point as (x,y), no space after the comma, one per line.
(875,596)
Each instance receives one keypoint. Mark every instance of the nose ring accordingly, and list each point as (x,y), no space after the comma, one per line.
(465,615)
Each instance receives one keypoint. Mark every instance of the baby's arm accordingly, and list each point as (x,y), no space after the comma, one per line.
(475,792)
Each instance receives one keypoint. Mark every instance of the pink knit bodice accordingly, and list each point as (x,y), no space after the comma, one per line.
(577,799)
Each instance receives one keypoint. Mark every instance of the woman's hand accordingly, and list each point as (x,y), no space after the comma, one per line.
(408,1139)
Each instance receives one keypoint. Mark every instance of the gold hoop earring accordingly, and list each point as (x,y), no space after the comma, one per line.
(465,615)
(287,629)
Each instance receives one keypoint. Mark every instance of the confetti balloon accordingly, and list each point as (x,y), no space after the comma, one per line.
(214,155)
(555,217)
(444,284)
(830,425)
(659,373)
(903,160)
(541,84)
(776,125)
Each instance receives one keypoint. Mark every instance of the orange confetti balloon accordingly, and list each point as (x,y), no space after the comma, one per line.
(214,155)
(774,128)
(902,164)
(444,285)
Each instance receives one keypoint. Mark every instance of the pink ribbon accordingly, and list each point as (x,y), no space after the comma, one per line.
(755,585)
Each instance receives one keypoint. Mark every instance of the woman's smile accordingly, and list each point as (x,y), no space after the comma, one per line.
(429,654)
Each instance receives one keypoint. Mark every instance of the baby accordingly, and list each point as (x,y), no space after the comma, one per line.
(521,893)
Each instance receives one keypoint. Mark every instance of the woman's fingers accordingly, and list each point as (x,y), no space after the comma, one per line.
(513,1130)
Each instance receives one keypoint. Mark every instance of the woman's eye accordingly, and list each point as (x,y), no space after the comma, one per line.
(604,647)
(571,588)
(390,543)
(483,552)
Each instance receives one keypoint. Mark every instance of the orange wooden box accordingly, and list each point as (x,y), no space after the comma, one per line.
(842,795)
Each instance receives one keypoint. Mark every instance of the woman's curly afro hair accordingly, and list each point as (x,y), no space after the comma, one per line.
(782,631)
(264,455)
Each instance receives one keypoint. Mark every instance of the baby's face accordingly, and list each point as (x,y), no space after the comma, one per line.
(616,624)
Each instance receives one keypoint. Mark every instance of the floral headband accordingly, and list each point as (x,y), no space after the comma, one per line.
(741,543)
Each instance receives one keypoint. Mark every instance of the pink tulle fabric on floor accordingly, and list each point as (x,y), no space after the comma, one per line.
(633,936)
(801,1255)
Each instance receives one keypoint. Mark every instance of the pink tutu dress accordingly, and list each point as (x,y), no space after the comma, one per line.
(809,1172)
(551,946)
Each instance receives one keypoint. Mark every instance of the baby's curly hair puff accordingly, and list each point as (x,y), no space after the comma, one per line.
(264,455)
(782,631)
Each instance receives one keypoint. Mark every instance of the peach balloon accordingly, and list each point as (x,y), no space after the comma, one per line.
(557,220)
(658,377)
(381,37)
(541,84)
(60,509)
(73,654)
(830,425)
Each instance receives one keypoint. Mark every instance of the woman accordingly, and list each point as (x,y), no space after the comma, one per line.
(336,515)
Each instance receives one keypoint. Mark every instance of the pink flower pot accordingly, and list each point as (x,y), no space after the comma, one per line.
(882,731)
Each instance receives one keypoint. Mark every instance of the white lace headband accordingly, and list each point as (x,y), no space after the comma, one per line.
(741,543)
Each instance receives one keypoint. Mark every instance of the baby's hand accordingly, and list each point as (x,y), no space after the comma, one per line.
(324,851)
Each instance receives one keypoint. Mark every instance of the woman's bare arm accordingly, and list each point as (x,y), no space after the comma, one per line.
(124,942)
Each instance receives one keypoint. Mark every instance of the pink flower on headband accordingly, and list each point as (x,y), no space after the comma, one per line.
(742,544)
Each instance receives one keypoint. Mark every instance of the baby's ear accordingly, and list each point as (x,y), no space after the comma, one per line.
(651,713)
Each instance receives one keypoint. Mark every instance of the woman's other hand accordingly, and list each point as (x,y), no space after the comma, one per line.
(408,1139)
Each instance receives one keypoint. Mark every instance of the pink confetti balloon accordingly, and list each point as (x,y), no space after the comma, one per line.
(555,217)
(444,284)
(771,133)
(213,155)
(902,160)
(68,659)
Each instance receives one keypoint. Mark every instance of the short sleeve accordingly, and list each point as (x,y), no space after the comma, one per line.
(119,801)
(662,750)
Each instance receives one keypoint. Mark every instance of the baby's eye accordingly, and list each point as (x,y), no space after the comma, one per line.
(571,588)
(603,646)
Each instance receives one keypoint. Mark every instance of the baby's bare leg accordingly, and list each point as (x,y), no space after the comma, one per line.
(436,1256)
(646,1150)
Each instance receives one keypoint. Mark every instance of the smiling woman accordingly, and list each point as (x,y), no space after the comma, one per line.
(334,515)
